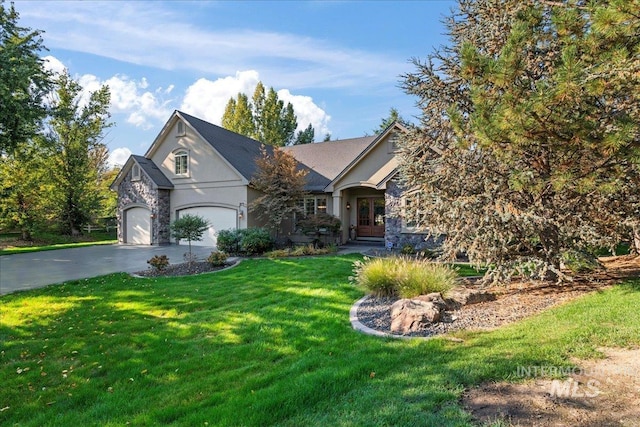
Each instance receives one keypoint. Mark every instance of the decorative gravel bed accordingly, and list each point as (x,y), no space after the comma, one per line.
(182,269)
(513,302)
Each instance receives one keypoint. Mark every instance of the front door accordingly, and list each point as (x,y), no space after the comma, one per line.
(370,217)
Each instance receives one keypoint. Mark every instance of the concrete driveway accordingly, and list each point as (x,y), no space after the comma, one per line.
(38,269)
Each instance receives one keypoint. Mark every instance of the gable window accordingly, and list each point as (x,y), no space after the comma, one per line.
(393,143)
(181,129)
(181,159)
(135,173)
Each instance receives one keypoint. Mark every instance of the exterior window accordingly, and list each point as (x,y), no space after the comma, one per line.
(393,143)
(409,223)
(311,206)
(321,205)
(181,163)
(181,131)
(135,173)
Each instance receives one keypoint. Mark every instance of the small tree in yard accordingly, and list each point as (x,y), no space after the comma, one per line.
(282,182)
(191,228)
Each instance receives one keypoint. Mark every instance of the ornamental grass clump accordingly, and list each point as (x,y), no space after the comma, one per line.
(402,276)
(421,277)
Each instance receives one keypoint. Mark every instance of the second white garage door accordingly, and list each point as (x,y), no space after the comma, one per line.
(219,219)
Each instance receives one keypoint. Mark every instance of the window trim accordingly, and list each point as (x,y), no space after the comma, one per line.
(179,154)
(305,202)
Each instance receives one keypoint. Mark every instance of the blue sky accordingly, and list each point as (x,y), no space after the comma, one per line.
(338,62)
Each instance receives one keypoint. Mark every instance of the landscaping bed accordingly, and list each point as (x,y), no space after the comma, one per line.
(512,303)
(183,269)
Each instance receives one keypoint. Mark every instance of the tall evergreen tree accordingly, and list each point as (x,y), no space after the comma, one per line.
(305,136)
(394,116)
(23,80)
(530,132)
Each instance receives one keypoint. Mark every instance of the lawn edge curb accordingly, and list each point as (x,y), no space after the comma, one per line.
(360,327)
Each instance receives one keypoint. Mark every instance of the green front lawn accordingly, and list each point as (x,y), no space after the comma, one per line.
(265,343)
(10,243)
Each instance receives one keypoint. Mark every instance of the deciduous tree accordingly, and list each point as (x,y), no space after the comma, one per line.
(190,228)
(23,81)
(76,129)
(528,144)
(282,183)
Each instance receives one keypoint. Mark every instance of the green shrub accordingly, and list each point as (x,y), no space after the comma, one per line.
(408,250)
(228,241)
(217,258)
(247,241)
(159,262)
(404,277)
(256,241)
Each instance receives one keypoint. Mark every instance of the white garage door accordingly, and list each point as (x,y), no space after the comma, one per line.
(219,219)
(138,226)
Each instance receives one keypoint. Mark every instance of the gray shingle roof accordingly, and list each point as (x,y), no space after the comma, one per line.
(154,173)
(239,150)
(330,158)
(324,161)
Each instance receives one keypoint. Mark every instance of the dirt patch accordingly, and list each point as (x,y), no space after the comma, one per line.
(599,393)
(604,392)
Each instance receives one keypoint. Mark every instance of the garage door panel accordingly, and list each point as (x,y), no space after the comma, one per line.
(138,226)
(219,219)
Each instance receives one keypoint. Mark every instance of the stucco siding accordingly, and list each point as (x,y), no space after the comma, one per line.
(205,165)
(367,171)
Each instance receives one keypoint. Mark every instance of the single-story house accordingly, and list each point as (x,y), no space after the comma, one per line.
(195,167)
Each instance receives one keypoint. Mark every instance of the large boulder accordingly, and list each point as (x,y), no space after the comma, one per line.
(409,315)
(458,296)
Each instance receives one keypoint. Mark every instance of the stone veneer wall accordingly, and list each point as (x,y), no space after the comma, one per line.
(144,192)
(393,223)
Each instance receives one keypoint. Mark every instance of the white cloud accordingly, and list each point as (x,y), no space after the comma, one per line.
(119,156)
(207,99)
(161,38)
(307,112)
(53,64)
(128,96)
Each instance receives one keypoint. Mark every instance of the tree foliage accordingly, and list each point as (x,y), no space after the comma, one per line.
(23,81)
(282,183)
(78,156)
(266,118)
(528,143)
(190,228)
(305,136)
(394,116)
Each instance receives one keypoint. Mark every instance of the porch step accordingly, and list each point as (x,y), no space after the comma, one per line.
(360,242)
